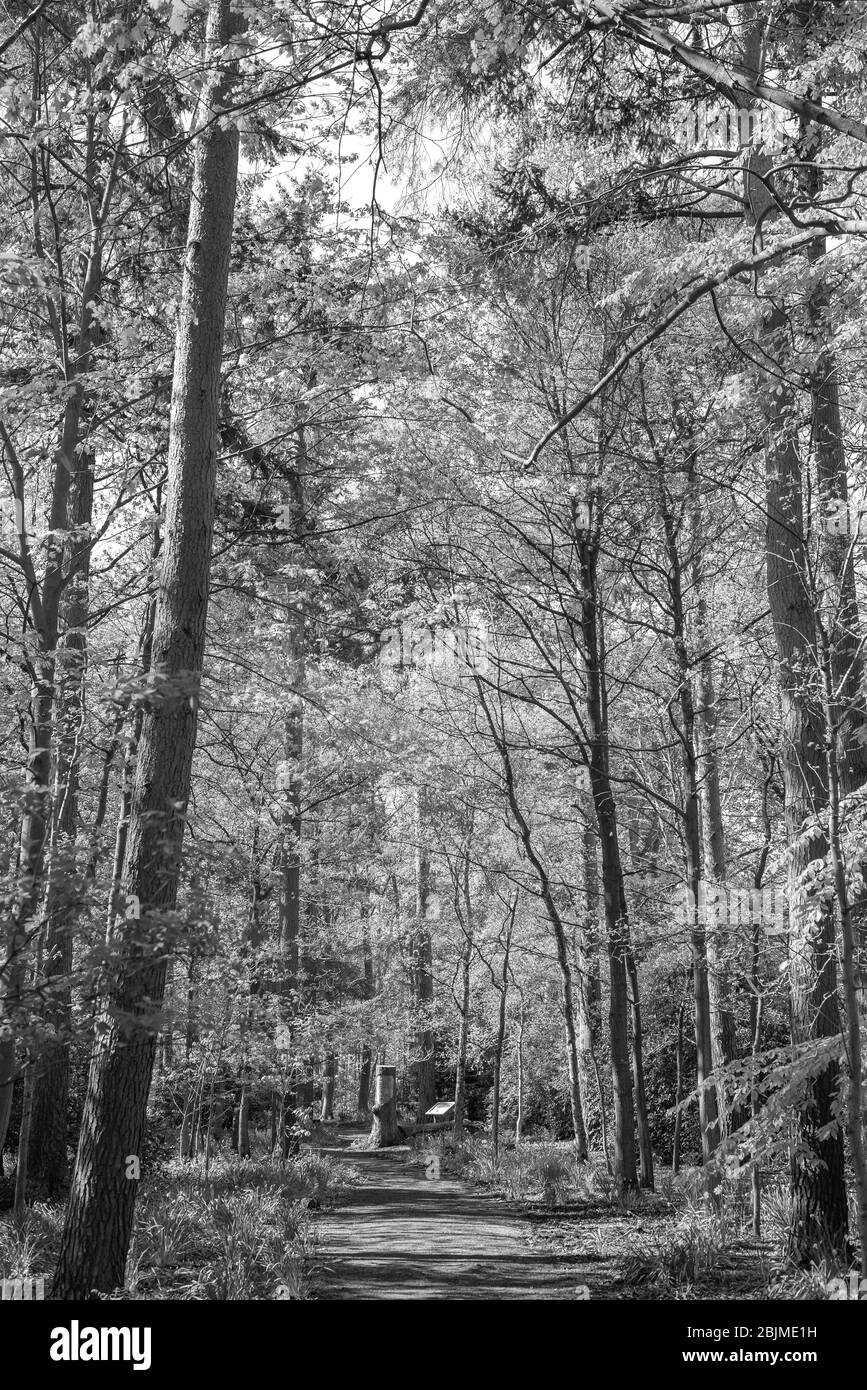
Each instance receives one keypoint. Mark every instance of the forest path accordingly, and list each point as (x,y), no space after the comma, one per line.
(399,1234)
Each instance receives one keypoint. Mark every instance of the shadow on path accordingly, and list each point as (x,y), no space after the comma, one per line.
(399,1234)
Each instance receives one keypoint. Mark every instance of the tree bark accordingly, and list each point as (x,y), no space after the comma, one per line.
(625,1063)
(586,955)
(464,1008)
(678,1091)
(21,1171)
(99,1218)
(707,1097)
(422,969)
(519,1062)
(723,1035)
(819,1217)
(367,994)
(500,1041)
(50,1084)
(329,1079)
(384,1132)
(855,1091)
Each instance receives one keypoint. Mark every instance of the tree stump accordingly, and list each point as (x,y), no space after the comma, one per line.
(384,1132)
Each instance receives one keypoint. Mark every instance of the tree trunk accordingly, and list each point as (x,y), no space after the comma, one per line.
(645,1151)
(500,1041)
(464,1010)
(21,1171)
(855,1091)
(586,955)
(613,893)
(707,1098)
(167,1037)
(329,1079)
(50,1085)
(384,1132)
(819,1214)
(244,1120)
(678,1092)
(99,1218)
(290,853)
(723,1036)
(423,970)
(755,1174)
(367,994)
(819,1217)
(186,1134)
(519,1058)
(363,1105)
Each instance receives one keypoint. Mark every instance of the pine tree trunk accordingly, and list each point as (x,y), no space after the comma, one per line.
(99,1218)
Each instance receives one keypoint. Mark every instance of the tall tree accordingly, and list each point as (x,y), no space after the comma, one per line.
(99,1218)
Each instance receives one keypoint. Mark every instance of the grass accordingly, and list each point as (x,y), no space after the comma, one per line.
(246,1234)
(536,1171)
(691,1251)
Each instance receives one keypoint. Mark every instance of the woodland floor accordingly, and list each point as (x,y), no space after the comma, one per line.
(397,1234)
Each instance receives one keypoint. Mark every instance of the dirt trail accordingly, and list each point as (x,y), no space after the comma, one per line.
(399,1234)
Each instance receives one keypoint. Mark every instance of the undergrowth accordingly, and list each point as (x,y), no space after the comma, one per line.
(245,1233)
(701,1239)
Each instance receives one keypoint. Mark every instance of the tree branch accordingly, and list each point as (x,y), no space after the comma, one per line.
(704,286)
